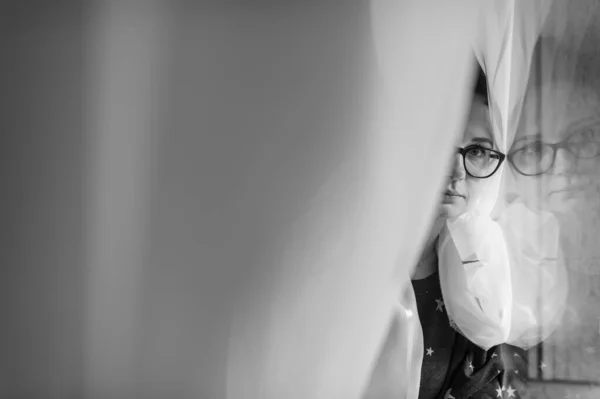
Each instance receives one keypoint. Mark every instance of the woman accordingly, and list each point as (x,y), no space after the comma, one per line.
(450,307)
(454,366)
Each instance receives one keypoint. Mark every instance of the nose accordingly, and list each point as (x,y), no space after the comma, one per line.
(564,162)
(458,168)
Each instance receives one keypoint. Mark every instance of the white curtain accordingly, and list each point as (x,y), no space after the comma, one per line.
(257,181)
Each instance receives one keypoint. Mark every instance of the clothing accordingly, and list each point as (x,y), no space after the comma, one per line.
(497,373)
(438,336)
(454,367)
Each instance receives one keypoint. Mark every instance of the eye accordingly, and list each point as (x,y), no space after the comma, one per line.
(476,151)
(586,136)
(533,148)
(532,154)
(590,134)
(586,142)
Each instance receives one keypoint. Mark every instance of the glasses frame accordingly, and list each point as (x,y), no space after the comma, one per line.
(463,151)
(564,144)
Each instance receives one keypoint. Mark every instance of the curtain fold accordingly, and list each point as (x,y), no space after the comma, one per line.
(229,199)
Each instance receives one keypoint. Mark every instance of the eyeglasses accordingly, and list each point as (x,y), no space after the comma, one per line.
(481,162)
(537,157)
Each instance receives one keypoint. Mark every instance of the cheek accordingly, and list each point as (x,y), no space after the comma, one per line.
(533,191)
(589,168)
(482,193)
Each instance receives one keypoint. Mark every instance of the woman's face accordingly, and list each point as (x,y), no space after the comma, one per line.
(463,192)
(557,112)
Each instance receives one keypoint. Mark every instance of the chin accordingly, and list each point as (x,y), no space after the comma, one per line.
(570,205)
(450,211)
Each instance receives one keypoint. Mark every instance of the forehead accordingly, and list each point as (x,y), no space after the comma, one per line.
(478,125)
(555,109)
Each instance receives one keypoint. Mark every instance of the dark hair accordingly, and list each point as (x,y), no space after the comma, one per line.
(481,88)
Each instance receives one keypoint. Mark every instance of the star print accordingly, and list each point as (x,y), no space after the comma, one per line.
(470,365)
(448,394)
(516,371)
(516,355)
(499,393)
(430,351)
(543,365)
(440,304)
(511,392)
(494,354)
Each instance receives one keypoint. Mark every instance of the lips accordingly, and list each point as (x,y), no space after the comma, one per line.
(451,193)
(572,188)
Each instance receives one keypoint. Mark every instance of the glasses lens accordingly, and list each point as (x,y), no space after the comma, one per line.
(586,143)
(533,158)
(480,161)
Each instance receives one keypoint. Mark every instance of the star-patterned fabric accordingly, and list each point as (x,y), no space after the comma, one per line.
(438,335)
(513,384)
(453,367)
(498,373)
(480,374)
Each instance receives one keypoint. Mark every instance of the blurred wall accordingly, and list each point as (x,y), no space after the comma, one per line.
(43,168)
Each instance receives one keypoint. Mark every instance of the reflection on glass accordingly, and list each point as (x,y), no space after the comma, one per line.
(533,156)
(555,169)
(555,152)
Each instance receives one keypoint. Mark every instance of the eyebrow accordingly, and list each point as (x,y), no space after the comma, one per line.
(582,124)
(482,140)
(536,136)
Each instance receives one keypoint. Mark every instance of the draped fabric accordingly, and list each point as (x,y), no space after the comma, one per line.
(323,320)
(476,279)
(549,220)
(489,297)
(504,280)
(256,181)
